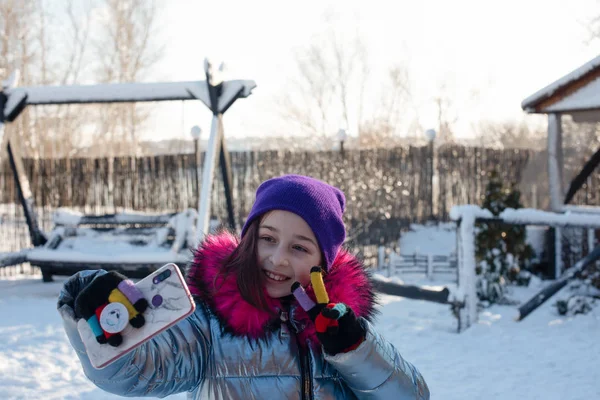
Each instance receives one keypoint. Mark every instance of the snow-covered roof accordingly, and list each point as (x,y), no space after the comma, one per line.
(129,92)
(582,98)
(586,98)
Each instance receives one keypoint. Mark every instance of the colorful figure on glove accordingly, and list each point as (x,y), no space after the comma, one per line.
(337,327)
(109,304)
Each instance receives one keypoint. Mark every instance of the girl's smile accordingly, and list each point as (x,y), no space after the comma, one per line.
(287,249)
(275,277)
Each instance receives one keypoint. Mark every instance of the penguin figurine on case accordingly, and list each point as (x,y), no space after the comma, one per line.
(108,304)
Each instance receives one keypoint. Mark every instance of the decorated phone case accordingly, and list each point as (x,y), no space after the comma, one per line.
(169,301)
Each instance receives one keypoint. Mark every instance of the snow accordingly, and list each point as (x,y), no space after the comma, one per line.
(147,247)
(467,214)
(538,217)
(125,92)
(66,216)
(439,239)
(549,90)
(13,258)
(582,209)
(546,356)
(469,211)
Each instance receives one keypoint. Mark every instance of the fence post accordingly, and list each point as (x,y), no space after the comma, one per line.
(430,266)
(558,267)
(591,237)
(380,257)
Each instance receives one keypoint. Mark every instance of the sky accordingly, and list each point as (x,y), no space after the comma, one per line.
(488,56)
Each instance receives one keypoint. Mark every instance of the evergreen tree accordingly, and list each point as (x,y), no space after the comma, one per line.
(501,249)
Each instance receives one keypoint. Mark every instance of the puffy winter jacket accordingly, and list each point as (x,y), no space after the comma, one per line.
(230,350)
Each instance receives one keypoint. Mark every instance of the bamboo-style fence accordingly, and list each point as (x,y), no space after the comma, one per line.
(386,189)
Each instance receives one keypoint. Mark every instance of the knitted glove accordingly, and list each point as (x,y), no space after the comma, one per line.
(338,329)
(108,303)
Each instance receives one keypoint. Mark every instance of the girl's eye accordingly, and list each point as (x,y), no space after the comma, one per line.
(267,239)
(300,248)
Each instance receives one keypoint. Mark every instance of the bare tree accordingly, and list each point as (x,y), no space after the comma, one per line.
(330,88)
(396,110)
(33,43)
(126,51)
(16,53)
(59,128)
(510,135)
(334,89)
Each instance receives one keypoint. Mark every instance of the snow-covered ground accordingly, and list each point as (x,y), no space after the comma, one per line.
(440,239)
(546,356)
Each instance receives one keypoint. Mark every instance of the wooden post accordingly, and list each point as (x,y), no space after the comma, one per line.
(208,174)
(590,238)
(380,257)
(227,176)
(392,264)
(38,238)
(555,162)
(558,267)
(555,180)
(430,266)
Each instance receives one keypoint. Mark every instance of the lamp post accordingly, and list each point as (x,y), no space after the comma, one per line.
(342,136)
(430,134)
(196,132)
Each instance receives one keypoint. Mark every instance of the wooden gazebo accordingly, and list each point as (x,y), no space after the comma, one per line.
(576,94)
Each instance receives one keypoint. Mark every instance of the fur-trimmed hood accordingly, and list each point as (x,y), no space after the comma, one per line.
(347,281)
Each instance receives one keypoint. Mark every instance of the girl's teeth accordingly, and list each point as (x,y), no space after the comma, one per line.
(275,277)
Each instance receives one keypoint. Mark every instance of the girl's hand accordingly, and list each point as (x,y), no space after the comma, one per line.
(108,303)
(337,327)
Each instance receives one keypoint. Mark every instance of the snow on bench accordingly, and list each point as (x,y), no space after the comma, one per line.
(134,243)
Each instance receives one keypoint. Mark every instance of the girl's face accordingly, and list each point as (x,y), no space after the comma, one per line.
(287,250)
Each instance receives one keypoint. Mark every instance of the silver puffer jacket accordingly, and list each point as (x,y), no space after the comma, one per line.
(229,350)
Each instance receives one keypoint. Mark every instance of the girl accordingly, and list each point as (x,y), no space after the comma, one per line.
(250,337)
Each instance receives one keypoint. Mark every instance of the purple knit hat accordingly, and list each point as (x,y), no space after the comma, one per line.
(319,204)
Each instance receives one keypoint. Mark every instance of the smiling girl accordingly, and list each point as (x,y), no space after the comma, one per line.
(283,312)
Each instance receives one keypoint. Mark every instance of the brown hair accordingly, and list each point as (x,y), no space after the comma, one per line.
(243,263)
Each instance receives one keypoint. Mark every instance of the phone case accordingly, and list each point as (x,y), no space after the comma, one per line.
(169,301)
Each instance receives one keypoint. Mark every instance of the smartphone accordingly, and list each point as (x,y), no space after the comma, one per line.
(169,301)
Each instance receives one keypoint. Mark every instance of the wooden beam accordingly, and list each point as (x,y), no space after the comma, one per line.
(227,175)
(208,173)
(555,162)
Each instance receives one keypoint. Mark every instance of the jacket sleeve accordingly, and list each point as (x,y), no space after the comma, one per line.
(376,370)
(171,362)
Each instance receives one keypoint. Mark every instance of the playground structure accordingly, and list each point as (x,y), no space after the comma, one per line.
(149,240)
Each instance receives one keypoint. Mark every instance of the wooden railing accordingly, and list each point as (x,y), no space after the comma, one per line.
(418,266)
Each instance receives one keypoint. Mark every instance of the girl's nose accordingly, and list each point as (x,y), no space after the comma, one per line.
(279,257)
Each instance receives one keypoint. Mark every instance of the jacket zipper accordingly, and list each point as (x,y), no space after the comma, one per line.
(305,371)
(307,390)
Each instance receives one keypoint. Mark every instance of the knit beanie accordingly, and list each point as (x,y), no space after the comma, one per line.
(319,204)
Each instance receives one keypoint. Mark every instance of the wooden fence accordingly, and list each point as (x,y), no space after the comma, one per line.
(417,266)
(386,189)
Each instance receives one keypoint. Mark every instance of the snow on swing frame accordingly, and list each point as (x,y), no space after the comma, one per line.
(217,94)
(467,215)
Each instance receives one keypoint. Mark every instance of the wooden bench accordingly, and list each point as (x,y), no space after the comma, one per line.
(132,243)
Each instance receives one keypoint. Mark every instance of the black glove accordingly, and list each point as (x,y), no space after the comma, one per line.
(337,327)
(102,292)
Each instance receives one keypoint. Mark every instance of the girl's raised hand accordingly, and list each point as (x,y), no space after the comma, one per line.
(337,327)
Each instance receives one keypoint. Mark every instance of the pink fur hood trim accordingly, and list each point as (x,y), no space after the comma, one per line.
(347,281)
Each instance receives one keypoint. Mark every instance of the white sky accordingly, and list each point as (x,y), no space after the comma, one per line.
(491,56)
